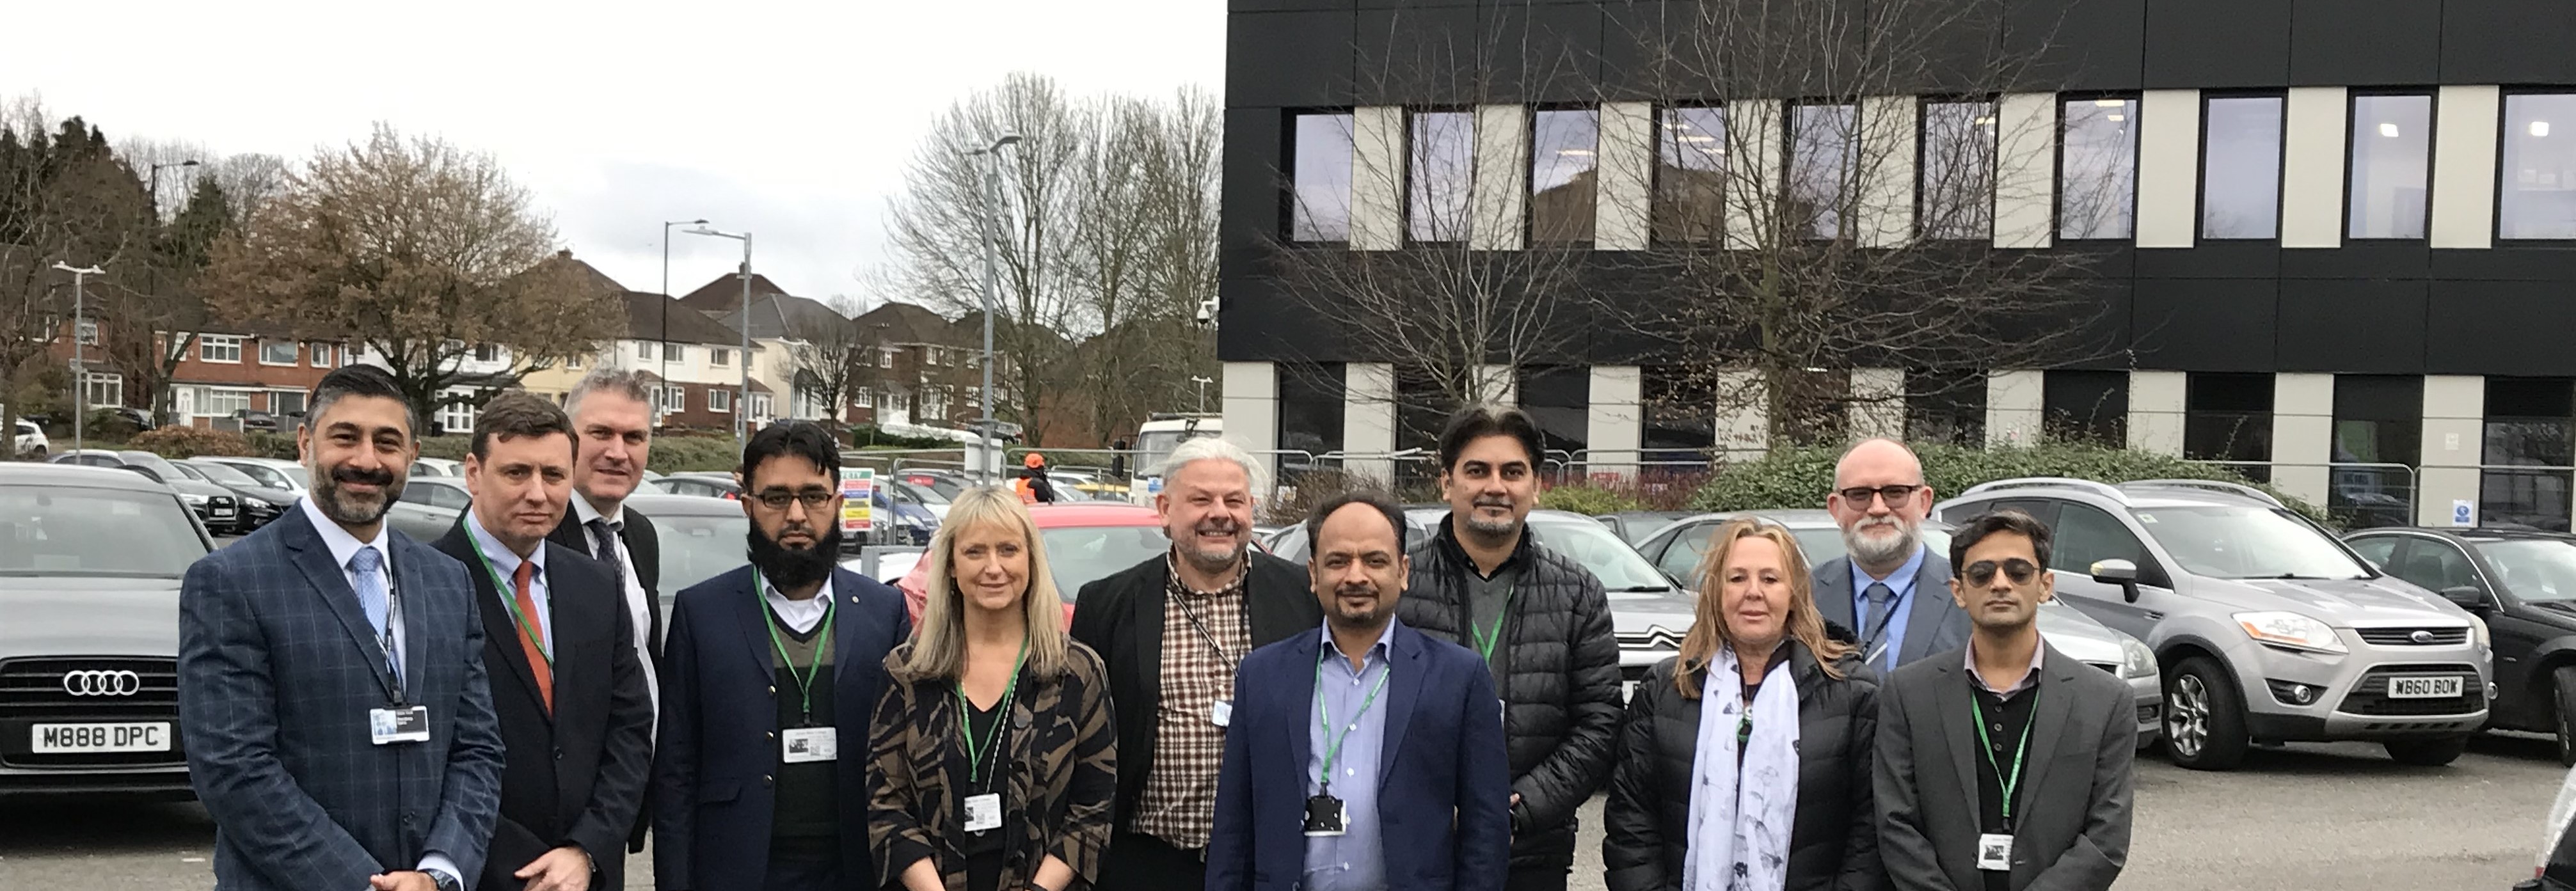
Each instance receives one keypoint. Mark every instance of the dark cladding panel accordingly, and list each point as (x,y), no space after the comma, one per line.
(2361,43)
(1251,204)
(2360,327)
(2508,41)
(1288,59)
(2077,44)
(2205,325)
(2512,328)
(1419,57)
(1545,53)
(2217,43)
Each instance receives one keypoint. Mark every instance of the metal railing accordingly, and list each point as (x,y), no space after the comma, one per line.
(2358,487)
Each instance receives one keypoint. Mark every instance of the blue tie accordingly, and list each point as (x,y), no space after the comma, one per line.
(1880,597)
(369,565)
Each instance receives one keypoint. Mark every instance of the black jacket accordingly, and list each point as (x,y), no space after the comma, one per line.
(1560,685)
(644,546)
(575,776)
(1833,844)
(1121,618)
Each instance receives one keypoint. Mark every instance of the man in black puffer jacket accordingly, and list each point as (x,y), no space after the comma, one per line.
(1540,620)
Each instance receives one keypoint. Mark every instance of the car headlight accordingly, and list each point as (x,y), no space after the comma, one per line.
(2291,630)
(2478,631)
(2136,661)
(193,499)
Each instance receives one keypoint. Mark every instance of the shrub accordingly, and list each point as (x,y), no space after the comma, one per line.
(180,441)
(105,426)
(1800,477)
(867,435)
(264,444)
(1589,500)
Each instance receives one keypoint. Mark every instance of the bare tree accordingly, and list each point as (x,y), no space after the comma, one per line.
(831,355)
(64,198)
(249,181)
(1146,258)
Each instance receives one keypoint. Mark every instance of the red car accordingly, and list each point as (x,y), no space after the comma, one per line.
(1085,543)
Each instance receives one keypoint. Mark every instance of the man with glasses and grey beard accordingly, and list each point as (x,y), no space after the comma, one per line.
(1887,590)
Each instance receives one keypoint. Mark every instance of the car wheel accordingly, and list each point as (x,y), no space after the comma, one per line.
(2433,752)
(2204,718)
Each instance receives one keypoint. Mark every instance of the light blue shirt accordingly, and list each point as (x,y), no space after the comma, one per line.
(1356,859)
(507,565)
(1901,581)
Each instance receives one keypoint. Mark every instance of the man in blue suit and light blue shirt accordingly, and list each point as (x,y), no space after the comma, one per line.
(332,693)
(1389,770)
(1889,590)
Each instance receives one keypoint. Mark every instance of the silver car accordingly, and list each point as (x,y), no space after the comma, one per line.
(90,562)
(2268,629)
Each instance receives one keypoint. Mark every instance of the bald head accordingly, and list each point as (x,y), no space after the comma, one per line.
(1878,462)
(1880,501)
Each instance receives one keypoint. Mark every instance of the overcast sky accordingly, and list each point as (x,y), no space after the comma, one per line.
(794,120)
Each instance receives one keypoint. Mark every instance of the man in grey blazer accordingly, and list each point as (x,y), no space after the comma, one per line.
(1981,778)
(332,696)
(1889,590)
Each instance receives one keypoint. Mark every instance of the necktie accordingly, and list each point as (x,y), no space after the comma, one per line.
(528,636)
(603,539)
(368,564)
(1875,626)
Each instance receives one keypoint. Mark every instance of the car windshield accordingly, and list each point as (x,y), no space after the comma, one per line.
(66,531)
(1816,543)
(224,475)
(698,548)
(1079,555)
(2534,568)
(1610,558)
(927,494)
(296,472)
(2247,543)
(190,471)
(1153,448)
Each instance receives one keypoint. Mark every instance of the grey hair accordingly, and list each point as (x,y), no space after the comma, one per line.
(623,382)
(1212,448)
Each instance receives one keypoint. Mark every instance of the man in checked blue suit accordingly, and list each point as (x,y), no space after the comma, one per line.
(327,761)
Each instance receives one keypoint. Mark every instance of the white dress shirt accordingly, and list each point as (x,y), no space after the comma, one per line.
(637,603)
(801,615)
(505,566)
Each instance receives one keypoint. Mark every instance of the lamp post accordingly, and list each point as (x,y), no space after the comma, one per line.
(156,186)
(1202,382)
(665,333)
(80,367)
(742,396)
(992,244)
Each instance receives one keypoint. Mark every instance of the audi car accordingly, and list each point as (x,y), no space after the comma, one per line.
(90,562)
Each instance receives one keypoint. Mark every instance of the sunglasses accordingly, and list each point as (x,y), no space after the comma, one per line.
(1896,496)
(1983,571)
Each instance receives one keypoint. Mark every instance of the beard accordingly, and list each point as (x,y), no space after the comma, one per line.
(1505,527)
(1868,547)
(1216,559)
(349,508)
(1371,616)
(788,567)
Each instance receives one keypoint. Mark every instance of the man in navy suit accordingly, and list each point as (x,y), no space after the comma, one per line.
(1891,589)
(770,676)
(1388,771)
(338,724)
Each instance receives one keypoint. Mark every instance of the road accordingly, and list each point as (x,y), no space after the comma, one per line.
(2298,819)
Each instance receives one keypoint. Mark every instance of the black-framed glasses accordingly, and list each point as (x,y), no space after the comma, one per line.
(777,499)
(1983,571)
(1896,495)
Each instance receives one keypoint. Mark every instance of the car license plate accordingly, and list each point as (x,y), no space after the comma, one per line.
(2424,688)
(87,738)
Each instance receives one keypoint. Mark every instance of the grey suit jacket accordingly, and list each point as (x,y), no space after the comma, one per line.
(2072,819)
(1933,624)
(278,669)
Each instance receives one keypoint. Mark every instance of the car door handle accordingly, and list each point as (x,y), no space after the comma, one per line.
(2154,616)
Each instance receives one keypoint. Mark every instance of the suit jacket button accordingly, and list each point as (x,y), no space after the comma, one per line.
(773,691)
(772,734)
(558,753)
(765,780)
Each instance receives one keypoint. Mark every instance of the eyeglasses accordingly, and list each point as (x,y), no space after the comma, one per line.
(1983,571)
(1897,495)
(777,499)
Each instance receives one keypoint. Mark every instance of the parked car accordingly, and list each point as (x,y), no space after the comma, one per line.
(1635,525)
(701,538)
(428,507)
(259,504)
(254,419)
(2522,584)
(437,467)
(90,563)
(899,518)
(2267,628)
(273,473)
(1677,551)
(701,486)
(927,497)
(215,506)
(140,418)
(1084,543)
(947,484)
(31,439)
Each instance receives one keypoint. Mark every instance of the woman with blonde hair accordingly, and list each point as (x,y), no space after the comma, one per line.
(993,757)
(1767,723)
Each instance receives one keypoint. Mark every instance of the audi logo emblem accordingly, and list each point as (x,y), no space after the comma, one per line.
(2421,637)
(102,683)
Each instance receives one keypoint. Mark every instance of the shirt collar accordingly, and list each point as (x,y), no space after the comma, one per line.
(342,544)
(1379,651)
(1174,585)
(1901,581)
(582,510)
(503,561)
(1447,540)
(769,591)
(2028,680)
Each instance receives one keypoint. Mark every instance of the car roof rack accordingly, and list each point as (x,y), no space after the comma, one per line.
(2240,489)
(2049,482)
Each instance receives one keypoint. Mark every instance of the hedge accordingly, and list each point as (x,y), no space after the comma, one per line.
(1800,477)
(181,441)
(1589,500)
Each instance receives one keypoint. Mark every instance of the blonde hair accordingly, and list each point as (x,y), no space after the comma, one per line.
(1708,629)
(938,648)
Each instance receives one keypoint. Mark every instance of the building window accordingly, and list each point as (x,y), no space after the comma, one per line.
(1441,175)
(675,352)
(286,402)
(1690,178)
(219,348)
(1320,193)
(1946,406)
(2097,179)
(223,402)
(486,352)
(1823,154)
(760,405)
(2538,198)
(2378,440)
(276,352)
(885,358)
(1559,398)
(720,358)
(572,363)
(1422,407)
(321,354)
(1564,174)
(1958,199)
(2392,153)
(2530,421)
(1310,410)
(103,390)
(719,399)
(675,399)
(2240,175)
(644,350)
(1680,419)
(2227,418)
(456,418)
(2085,406)
(88,332)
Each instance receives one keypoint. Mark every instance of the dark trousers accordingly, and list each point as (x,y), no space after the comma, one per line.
(1537,878)
(1143,861)
(803,865)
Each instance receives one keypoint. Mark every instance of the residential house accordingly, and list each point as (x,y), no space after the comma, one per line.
(693,362)
(786,328)
(231,367)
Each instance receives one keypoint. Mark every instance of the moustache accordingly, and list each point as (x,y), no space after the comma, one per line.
(377,477)
(1216,527)
(1493,501)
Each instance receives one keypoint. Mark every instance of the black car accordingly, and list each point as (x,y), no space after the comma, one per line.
(2522,583)
(259,504)
(217,507)
(254,419)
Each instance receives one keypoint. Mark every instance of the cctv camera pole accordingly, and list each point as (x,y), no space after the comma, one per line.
(80,388)
(988,465)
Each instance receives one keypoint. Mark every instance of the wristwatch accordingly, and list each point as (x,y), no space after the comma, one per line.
(444,881)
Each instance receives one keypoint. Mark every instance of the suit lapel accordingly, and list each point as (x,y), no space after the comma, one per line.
(417,610)
(845,638)
(330,582)
(1300,748)
(1950,698)
(751,609)
(1834,596)
(497,624)
(1146,685)
(1923,615)
(1404,658)
(2048,717)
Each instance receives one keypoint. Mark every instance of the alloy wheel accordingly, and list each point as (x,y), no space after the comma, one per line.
(2187,716)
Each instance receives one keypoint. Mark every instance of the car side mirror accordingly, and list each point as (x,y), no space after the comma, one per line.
(2118,572)
(2469,597)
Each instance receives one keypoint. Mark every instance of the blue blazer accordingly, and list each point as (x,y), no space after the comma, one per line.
(278,669)
(1444,786)
(713,789)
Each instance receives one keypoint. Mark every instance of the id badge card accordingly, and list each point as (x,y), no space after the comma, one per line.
(1221,712)
(1994,852)
(388,726)
(1324,815)
(984,812)
(809,744)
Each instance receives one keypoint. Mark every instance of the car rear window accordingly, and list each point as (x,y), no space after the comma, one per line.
(64,531)
(1079,555)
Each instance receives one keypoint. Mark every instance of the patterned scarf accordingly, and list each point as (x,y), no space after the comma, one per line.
(1740,819)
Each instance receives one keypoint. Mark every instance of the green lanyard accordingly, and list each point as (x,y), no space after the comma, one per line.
(2007,781)
(510,595)
(992,737)
(1333,741)
(1486,638)
(805,680)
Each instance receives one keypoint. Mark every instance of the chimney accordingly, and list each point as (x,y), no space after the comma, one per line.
(565,254)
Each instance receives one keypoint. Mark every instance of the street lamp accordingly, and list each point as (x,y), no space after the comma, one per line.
(80,377)
(742,396)
(992,244)
(1202,382)
(666,302)
(156,186)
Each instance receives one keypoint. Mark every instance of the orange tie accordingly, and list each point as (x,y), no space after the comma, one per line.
(528,636)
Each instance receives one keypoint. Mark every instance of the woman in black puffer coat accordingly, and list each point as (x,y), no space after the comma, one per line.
(1756,617)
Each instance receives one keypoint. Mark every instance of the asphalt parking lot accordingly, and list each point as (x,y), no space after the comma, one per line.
(2297,819)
